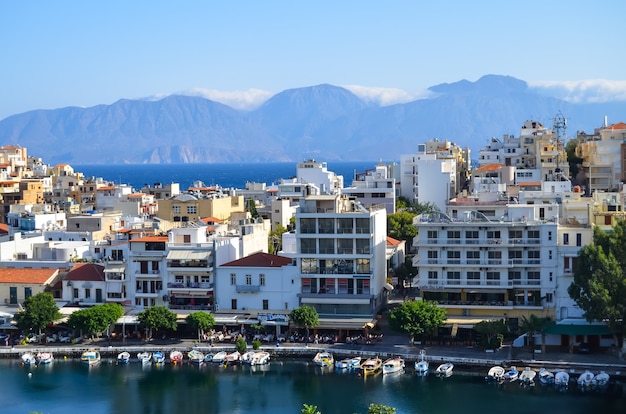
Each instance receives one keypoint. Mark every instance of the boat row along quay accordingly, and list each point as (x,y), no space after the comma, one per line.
(468,360)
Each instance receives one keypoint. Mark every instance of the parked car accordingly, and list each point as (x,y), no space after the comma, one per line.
(583,348)
(65,338)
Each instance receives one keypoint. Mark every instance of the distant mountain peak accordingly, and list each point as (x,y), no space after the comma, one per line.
(488,84)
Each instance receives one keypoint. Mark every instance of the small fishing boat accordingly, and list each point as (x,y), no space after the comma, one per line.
(324,359)
(371,366)
(545,377)
(91,357)
(495,374)
(158,357)
(510,375)
(44,357)
(527,376)
(561,380)
(195,356)
(176,357)
(28,358)
(144,357)
(260,358)
(393,365)
(445,369)
(219,357)
(348,363)
(246,358)
(232,358)
(585,380)
(208,358)
(601,380)
(123,358)
(421,366)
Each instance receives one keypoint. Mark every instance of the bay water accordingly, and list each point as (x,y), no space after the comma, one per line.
(68,386)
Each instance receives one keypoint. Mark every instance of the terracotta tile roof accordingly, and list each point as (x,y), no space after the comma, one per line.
(9,147)
(393,242)
(4,228)
(530,184)
(27,276)
(619,125)
(201,189)
(208,220)
(124,230)
(150,239)
(136,195)
(489,167)
(260,260)
(106,188)
(86,271)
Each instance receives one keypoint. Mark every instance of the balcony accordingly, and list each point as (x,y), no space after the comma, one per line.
(148,293)
(190,285)
(148,273)
(247,288)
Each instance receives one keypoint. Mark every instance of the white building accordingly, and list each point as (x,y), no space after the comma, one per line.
(146,271)
(315,172)
(374,187)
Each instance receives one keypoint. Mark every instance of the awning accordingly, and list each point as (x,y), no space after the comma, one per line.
(188,255)
(274,323)
(115,269)
(578,329)
(388,286)
(468,322)
(114,287)
(345,323)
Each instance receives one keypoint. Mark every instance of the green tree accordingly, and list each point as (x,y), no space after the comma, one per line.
(309,409)
(533,325)
(492,333)
(305,316)
(39,311)
(251,208)
(241,345)
(599,285)
(400,226)
(380,409)
(276,239)
(417,318)
(201,322)
(157,318)
(97,319)
(573,161)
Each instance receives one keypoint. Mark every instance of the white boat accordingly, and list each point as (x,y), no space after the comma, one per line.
(219,357)
(123,357)
(28,358)
(585,380)
(445,369)
(144,357)
(176,357)
(421,366)
(208,358)
(91,357)
(561,380)
(44,357)
(260,358)
(195,356)
(232,358)
(545,377)
(324,359)
(371,366)
(158,357)
(601,380)
(348,363)
(393,365)
(510,375)
(495,373)
(527,376)
(246,358)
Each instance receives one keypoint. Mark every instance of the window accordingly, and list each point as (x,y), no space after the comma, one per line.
(192,209)
(327,246)
(309,265)
(28,292)
(493,278)
(233,279)
(472,257)
(307,246)
(473,278)
(362,246)
(566,238)
(453,278)
(363,266)
(266,304)
(75,293)
(432,256)
(515,277)
(432,236)
(471,237)
(233,303)
(248,279)
(579,239)
(176,209)
(454,257)
(515,256)
(433,277)
(262,279)
(495,257)
(454,237)
(549,297)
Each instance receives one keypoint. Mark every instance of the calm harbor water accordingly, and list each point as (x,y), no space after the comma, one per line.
(67,386)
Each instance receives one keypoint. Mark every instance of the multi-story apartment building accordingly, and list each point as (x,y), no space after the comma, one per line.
(316,173)
(374,187)
(146,267)
(604,156)
(341,256)
(187,207)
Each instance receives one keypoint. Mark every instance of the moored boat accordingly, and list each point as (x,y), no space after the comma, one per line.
(158,357)
(219,357)
(371,366)
(601,380)
(324,359)
(510,375)
(445,369)
(28,358)
(393,365)
(232,358)
(348,363)
(545,377)
(585,380)
(195,356)
(246,358)
(123,358)
(527,376)
(495,374)
(561,380)
(421,366)
(176,357)
(90,357)
(260,358)
(144,357)
(44,357)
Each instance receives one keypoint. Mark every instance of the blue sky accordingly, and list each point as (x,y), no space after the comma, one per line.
(84,53)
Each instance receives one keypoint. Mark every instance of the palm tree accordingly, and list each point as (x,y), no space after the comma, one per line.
(533,325)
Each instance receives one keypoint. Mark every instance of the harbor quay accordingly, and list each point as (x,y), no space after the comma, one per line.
(467,359)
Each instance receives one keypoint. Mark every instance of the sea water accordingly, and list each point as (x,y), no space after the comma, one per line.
(68,386)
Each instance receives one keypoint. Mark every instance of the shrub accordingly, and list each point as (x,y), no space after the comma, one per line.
(241,345)
(256,344)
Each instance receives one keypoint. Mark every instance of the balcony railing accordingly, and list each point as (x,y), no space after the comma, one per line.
(248,288)
(190,285)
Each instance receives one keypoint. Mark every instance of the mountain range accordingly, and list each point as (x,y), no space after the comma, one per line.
(323,122)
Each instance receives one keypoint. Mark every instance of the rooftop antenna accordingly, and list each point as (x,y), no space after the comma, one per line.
(559,125)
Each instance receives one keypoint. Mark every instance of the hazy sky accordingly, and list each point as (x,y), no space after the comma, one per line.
(83,53)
